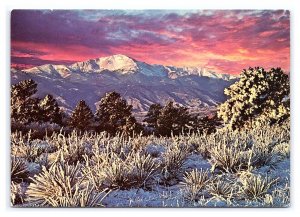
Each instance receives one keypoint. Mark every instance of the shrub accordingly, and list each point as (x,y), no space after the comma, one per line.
(221,188)
(194,182)
(18,171)
(256,97)
(255,187)
(143,169)
(17,194)
(229,158)
(173,161)
(135,171)
(62,186)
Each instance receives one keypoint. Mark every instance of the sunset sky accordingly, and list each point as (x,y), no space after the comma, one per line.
(223,41)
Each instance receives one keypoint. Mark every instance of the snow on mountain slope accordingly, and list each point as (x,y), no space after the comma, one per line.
(141,84)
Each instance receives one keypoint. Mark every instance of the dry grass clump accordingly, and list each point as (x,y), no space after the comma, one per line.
(230,159)
(232,151)
(62,186)
(222,188)
(143,169)
(17,194)
(18,171)
(135,171)
(255,187)
(73,147)
(173,161)
(282,150)
(194,182)
(24,147)
(280,197)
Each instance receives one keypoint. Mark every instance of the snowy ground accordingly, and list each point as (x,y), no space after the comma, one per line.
(173,196)
(225,169)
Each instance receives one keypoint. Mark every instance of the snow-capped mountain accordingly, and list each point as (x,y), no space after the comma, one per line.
(141,84)
(125,65)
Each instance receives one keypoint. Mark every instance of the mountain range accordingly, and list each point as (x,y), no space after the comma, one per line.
(140,83)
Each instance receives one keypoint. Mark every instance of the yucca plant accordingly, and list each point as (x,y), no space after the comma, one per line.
(85,197)
(62,186)
(116,175)
(194,182)
(255,187)
(221,188)
(30,152)
(230,159)
(19,171)
(282,150)
(93,171)
(134,172)
(261,157)
(173,161)
(16,194)
(142,169)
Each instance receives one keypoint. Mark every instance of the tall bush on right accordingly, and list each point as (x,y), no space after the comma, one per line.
(258,96)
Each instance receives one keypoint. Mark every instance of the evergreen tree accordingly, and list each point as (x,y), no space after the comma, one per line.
(23,90)
(152,115)
(257,96)
(206,124)
(114,114)
(172,119)
(82,117)
(49,110)
(24,107)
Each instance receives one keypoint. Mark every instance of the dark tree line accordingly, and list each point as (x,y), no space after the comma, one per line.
(175,119)
(113,115)
(26,108)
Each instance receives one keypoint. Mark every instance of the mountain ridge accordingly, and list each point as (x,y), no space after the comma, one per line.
(126,65)
(140,83)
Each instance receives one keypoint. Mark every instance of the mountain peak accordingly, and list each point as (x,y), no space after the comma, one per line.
(118,62)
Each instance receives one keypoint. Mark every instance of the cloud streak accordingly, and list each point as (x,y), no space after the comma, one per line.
(223,41)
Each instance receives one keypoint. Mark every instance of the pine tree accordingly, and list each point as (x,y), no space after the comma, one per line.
(24,107)
(82,117)
(206,124)
(113,114)
(24,89)
(172,119)
(49,110)
(258,96)
(152,115)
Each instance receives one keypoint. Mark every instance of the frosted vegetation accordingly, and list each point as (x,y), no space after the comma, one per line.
(239,158)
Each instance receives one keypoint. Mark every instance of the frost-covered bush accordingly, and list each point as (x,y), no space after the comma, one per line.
(73,147)
(173,161)
(136,171)
(222,188)
(255,187)
(17,193)
(229,158)
(62,186)
(194,182)
(143,168)
(18,171)
(257,96)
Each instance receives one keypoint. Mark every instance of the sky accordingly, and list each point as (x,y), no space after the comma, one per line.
(224,41)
